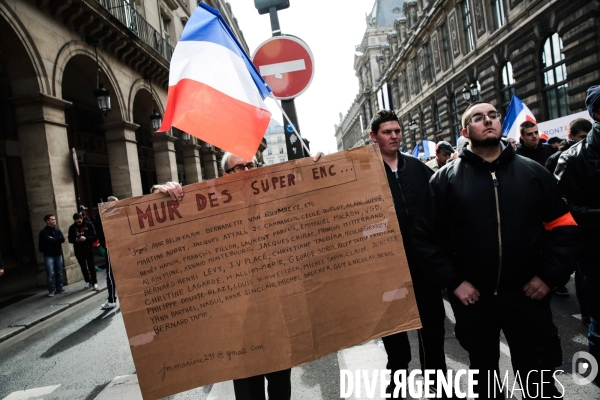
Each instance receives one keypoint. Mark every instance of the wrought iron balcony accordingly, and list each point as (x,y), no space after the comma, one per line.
(126,13)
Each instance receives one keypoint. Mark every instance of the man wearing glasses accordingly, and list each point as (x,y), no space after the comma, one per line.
(253,388)
(480,239)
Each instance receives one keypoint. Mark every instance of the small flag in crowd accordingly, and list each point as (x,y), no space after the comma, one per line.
(517,113)
(416,151)
(215,92)
(429,148)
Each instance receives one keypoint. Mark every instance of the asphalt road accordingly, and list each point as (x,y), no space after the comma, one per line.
(83,349)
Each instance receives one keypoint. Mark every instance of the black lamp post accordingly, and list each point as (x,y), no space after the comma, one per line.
(412,126)
(466,94)
(101,94)
(474,91)
(186,137)
(155,117)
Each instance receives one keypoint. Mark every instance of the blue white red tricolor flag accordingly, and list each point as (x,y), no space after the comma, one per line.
(429,148)
(215,92)
(517,113)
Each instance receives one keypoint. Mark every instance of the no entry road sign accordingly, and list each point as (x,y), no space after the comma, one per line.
(287,65)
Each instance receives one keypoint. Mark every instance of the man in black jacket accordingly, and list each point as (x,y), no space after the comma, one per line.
(83,235)
(530,145)
(408,179)
(50,240)
(578,130)
(578,174)
(480,239)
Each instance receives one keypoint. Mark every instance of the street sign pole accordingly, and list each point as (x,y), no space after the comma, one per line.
(294,150)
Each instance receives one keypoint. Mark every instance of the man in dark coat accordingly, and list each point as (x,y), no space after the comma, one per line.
(578,174)
(408,179)
(530,145)
(479,238)
(83,235)
(50,242)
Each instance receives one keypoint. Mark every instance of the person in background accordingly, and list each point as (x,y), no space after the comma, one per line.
(578,174)
(578,130)
(50,244)
(1,266)
(443,153)
(111,302)
(83,235)
(530,145)
(554,142)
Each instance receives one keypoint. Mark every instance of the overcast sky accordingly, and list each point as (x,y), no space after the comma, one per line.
(331,28)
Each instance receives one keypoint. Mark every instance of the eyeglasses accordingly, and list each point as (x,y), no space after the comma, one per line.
(241,168)
(477,118)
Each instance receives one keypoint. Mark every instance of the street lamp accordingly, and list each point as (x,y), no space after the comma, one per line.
(466,94)
(474,91)
(412,126)
(101,94)
(186,137)
(155,117)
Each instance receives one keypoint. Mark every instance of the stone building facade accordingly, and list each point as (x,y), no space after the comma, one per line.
(276,151)
(544,51)
(49,116)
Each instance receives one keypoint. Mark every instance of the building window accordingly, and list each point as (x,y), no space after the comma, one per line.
(279,139)
(416,76)
(405,84)
(507,85)
(437,123)
(429,63)
(445,46)
(555,78)
(165,28)
(280,149)
(269,151)
(497,13)
(282,159)
(467,25)
(456,124)
(271,162)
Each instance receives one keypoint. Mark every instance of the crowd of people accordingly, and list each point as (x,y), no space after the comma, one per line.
(500,225)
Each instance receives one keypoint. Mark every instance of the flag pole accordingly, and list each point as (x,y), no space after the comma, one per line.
(292,125)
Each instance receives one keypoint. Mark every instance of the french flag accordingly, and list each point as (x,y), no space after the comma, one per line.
(215,92)
(429,148)
(517,113)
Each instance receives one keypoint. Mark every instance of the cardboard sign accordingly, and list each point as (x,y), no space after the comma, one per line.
(259,271)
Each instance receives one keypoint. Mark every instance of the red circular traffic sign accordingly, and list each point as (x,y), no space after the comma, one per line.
(287,65)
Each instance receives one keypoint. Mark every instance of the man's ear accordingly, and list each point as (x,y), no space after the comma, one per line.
(465,133)
(372,135)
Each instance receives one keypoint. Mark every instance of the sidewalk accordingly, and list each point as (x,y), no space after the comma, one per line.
(28,308)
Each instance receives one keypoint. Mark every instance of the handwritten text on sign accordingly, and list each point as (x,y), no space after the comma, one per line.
(259,271)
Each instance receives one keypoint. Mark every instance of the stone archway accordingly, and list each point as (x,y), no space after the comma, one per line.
(40,180)
(75,48)
(106,144)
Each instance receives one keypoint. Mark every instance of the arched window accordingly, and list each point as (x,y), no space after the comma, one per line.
(555,78)
(507,85)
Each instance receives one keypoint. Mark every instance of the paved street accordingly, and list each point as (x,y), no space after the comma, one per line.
(83,354)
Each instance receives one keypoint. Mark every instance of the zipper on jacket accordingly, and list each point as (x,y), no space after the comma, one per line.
(495,181)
